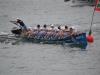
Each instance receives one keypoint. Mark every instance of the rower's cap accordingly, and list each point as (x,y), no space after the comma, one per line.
(52,25)
(41,28)
(18,18)
(73,27)
(50,28)
(57,29)
(30,28)
(35,28)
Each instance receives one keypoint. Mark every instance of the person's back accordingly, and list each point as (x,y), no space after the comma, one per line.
(66,29)
(72,31)
(52,28)
(20,22)
(45,28)
(35,32)
(58,33)
(38,28)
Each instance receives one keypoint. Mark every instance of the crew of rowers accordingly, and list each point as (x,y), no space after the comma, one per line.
(51,33)
(44,32)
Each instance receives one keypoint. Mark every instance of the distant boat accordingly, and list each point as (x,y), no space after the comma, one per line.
(66,0)
(82,2)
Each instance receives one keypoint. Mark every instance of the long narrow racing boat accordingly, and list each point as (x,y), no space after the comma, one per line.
(78,38)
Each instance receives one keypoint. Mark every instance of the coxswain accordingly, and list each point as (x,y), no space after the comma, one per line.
(22,25)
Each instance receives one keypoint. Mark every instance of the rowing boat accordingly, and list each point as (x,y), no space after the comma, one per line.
(78,38)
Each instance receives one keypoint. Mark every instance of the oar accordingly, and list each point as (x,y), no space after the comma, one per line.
(74,40)
(15,23)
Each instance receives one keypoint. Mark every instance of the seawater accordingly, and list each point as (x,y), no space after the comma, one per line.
(27,58)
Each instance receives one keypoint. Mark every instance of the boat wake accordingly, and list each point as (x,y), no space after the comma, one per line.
(9,38)
(16,40)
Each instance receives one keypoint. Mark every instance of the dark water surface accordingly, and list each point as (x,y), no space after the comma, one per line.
(26,58)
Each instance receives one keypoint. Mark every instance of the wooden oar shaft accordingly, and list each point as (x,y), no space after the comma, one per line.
(15,23)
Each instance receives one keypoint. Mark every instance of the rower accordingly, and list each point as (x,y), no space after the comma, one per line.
(43,32)
(72,32)
(38,28)
(22,25)
(50,32)
(65,32)
(29,31)
(36,31)
(65,29)
(56,35)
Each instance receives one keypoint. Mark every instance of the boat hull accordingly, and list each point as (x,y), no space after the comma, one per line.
(16,31)
(80,38)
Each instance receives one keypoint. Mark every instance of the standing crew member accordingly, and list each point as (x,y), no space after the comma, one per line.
(22,25)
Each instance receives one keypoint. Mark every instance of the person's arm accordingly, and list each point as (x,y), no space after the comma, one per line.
(65,30)
(62,29)
(72,33)
(14,22)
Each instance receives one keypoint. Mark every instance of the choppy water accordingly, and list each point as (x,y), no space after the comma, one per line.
(25,58)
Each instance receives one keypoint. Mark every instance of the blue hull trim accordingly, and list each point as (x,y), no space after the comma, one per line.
(80,38)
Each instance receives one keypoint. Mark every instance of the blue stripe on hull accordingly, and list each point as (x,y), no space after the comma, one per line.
(80,38)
